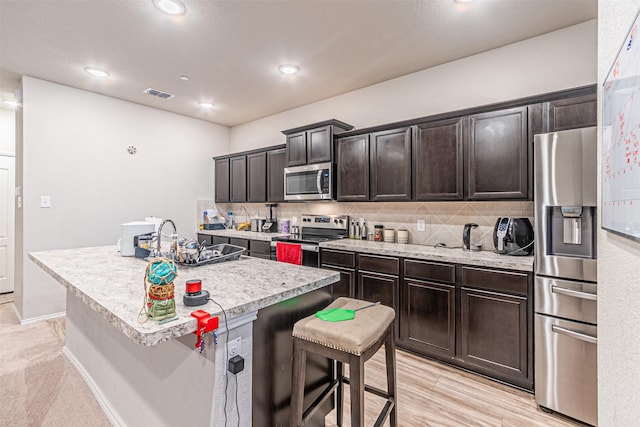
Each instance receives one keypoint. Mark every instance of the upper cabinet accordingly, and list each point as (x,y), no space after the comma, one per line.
(222,180)
(390,161)
(276,162)
(313,143)
(498,155)
(570,113)
(254,176)
(256,173)
(353,168)
(238,179)
(438,160)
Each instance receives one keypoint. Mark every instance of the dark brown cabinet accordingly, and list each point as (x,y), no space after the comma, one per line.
(390,163)
(222,180)
(353,168)
(343,262)
(313,143)
(428,313)
(438,160)
(212,240)
(256,173)
(498,155)
(570,113)
(276,162)
(238,179)
(252,176)
(297,149)
(496,324)
(379,280)
(260,249)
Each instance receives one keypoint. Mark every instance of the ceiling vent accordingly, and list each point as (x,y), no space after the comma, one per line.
(158,93)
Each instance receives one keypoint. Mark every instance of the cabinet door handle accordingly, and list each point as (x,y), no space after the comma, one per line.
(573,334)
(571,293)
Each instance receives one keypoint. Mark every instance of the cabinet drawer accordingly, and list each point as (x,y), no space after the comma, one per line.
(218,240)
(204,238)
(338,258)
(515,283)
(260,247)
(445,273)
(379,264)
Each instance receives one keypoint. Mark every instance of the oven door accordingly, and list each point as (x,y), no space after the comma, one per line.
(309,182)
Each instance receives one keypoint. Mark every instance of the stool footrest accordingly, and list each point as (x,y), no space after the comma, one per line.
(370,389)
(328,392)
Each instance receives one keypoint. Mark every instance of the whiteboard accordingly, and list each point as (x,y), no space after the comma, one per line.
(621,140)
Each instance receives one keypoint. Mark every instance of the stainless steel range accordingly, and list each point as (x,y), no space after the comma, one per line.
(565,284)
(314,230)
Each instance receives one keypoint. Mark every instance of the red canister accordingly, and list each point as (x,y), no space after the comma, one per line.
(194,287)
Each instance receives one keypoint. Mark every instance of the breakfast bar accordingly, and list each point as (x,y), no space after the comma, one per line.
(142,372)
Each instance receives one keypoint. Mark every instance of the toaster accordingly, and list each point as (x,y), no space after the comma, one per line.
(513,236)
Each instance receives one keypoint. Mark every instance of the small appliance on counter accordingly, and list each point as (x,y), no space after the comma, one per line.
(513,236)
(470,239)
(271,223)
(130,230)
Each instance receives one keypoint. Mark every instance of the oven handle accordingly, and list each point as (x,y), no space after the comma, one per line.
(573,334)
(319,181)
(571,293)
(304,247)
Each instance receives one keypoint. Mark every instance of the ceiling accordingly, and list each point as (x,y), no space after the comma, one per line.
(231,49)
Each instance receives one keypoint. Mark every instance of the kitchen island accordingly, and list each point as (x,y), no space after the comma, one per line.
(149,373)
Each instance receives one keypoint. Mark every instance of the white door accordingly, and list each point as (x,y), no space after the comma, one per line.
(7,211)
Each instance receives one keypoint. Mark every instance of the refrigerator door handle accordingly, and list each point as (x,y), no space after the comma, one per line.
(574,334)
(571,293)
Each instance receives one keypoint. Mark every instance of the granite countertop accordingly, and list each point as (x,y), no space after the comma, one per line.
(244,234)
(113,286)
(429,253)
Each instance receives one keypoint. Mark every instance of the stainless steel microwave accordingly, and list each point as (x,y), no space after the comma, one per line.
(309,182)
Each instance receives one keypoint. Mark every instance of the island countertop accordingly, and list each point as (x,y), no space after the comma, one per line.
(113,286)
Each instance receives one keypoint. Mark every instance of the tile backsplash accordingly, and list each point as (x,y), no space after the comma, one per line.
(444,220)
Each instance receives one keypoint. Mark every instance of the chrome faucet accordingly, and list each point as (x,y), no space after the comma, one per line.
(175,233)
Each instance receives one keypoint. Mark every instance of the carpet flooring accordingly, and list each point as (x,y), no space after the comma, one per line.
(38,385)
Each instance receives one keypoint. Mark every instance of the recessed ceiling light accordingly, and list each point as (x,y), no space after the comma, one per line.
(207,105)
(463,1)
(288,69)
(96,72)
(184,78)
(171,7)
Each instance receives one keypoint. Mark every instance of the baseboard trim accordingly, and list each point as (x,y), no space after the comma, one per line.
(111,414)
(39,318)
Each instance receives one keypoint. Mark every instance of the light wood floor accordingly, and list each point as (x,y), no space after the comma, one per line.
(431,394)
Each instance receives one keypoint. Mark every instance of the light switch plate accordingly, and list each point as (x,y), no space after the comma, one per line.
(45,201)
(421,225)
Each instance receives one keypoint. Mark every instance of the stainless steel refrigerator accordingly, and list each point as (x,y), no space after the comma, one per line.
(565,324)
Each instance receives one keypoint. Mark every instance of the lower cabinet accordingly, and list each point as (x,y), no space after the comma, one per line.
(260,249)
(343,262)
(480,319)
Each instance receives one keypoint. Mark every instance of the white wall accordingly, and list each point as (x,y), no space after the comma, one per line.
(554,61)
(618,271)
(7,131)
(74,149)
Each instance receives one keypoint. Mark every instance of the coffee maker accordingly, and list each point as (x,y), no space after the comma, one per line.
(270,225)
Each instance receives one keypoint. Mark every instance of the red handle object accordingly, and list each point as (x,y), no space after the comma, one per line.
(194,286)
(206,323)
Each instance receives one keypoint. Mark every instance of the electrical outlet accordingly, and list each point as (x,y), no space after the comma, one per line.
(233,348)
(45,201)
(421,225)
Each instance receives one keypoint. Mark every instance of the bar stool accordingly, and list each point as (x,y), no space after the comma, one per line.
(351,341)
